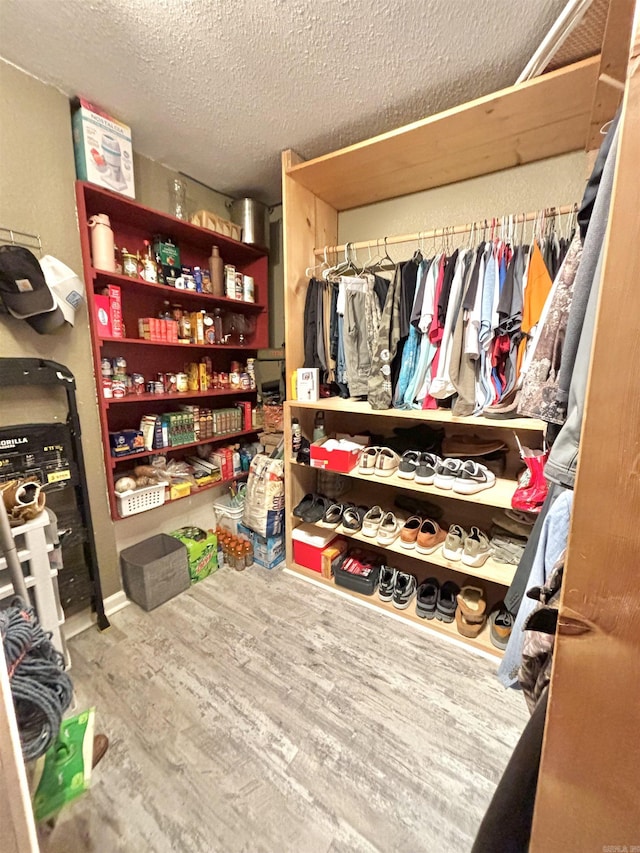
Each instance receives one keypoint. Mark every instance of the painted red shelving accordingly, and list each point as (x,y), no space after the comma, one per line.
(162,450)
(132,224)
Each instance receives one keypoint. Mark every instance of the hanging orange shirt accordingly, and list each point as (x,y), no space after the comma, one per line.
(538,286)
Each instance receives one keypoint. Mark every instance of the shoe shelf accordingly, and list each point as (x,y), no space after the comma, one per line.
(439,416)
(490,572)
(499,495)
(482,641)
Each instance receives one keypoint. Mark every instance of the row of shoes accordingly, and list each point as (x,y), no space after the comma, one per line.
(446,602)
(424,534)
(465,477)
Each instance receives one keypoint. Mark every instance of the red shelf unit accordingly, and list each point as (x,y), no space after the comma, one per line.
(133,223)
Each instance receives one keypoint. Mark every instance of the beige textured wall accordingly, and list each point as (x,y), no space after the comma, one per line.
(37,176)
(37,195)
(152,189)
(556,181)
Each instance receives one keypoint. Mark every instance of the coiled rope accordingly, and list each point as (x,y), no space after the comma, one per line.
(40,687)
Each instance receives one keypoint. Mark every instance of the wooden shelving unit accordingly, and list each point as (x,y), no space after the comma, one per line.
(430,416)
(498,495)
(598,637)
(448,629)
(133,223)
(541,118)
(546,116)
(491,572)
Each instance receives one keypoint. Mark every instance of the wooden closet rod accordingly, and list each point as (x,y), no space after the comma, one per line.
(518,219)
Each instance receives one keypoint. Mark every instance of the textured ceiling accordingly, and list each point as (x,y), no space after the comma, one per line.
(216,89)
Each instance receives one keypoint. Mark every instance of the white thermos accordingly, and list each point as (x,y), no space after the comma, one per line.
(102,243)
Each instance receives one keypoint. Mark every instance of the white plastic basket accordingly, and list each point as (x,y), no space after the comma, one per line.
(228,516)
(140,500)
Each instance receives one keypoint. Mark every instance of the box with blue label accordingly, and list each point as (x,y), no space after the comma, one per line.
(267,551)
(102,147)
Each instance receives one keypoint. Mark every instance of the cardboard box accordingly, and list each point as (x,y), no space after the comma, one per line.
(115,310)
(126,441)
(267,551)
(103,316)
(202,548)
(102,148)
(308,384)
(340,461)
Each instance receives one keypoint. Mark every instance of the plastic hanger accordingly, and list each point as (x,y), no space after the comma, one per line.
(323,263)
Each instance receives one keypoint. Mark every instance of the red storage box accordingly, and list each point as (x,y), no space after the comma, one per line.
(340,461)
(308,544)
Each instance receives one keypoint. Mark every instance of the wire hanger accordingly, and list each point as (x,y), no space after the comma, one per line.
(387,257)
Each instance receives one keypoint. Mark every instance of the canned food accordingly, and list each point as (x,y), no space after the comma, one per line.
(119,389)
(137,381)
(170,383)
(158,387)
(107,388)
(182,381)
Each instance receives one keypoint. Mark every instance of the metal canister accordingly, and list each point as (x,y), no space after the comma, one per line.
(182,381)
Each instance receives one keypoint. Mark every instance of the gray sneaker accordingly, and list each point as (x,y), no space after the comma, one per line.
(454,543)
(477,549)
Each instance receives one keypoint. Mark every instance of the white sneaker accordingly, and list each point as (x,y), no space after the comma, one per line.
(389,529)
(472,478)
(446,473)
(371,521)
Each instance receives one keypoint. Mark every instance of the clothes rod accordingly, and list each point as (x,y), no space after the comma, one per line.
(495,222)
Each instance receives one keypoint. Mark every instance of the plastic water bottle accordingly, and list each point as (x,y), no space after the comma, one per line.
(318,427)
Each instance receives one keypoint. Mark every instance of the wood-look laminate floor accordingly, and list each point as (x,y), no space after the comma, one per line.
(257,713)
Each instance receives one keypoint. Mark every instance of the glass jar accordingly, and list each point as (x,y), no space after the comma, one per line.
(178,198)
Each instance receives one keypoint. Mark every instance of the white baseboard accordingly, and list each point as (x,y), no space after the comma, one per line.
(83,621)
(115,602)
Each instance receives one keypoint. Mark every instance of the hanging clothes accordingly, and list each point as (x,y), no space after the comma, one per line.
(537,289)
(441,386)
(539,387)
(379,386)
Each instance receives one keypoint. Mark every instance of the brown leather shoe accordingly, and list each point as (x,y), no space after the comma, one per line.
(409,532)
(430,537)
(470,446)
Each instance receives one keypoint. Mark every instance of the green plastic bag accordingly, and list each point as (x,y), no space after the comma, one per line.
(67,766)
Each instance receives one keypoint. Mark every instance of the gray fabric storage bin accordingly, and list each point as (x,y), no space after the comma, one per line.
(155,570)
